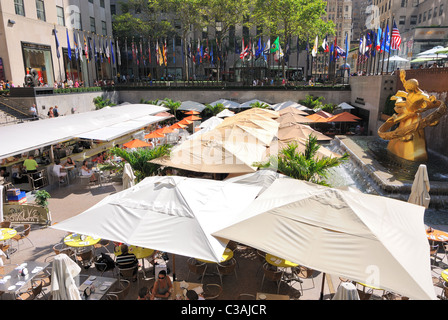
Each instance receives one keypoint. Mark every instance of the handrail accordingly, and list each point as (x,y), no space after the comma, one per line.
(2,101)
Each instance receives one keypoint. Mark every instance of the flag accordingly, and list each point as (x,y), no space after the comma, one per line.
(347,45)
(101,43)
(165,52)
(278,54)
(157,52)
(378,39)
(316,43)
(57,42)
(107,51)
(244,50)
(174,51)
(267,48)
(360,46)
(275,46)
(396,38)
(149,51)
(211,56)
(259,48)
(118,54)
(75,45)
(324,45)
(86,49)
(385,45)
(340,52)
(79,49)
(368,41)
(332,53)
(112,51)
(69,50)
(94,48)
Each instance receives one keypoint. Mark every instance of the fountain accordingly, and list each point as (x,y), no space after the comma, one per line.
(387,165)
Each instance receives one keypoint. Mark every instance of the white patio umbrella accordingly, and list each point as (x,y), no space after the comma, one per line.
(370,239)
(191,106)
(225,113)
(63,285)
(226,103)
(248,104)
(420,188)
(263,178)
(128,176)
(170,213)
(434,51)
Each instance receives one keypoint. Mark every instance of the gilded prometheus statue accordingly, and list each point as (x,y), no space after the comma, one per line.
(408,140)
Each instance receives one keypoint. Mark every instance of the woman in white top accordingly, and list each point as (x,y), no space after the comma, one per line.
(58,170)
(85,171)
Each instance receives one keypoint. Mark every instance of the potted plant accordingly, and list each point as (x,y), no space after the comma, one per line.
(41,198)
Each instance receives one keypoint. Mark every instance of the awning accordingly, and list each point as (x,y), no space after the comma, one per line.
(32,135)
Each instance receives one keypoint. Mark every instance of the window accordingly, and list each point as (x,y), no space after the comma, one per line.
(413,21)
(104,28)
(92,25)
(404,3)
(435,11)
(420,18)
(102,5)
(415,3)
(61,18)
(91,1)
(441,10)
(424,16)
(429,14)
(402,20)
(40,8)
(77,20)
(20,9)
(38,57)
(113,9)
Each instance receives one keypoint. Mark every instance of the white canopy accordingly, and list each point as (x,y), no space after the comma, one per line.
(225,113)
(173,214)
(247,104)
(286,104)
(105,123)
(226,103)
(191,106)
(211,122)
(345,106)
(371,239)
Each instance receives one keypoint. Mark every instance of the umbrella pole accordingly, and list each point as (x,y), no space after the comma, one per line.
(174,267)
(322,288)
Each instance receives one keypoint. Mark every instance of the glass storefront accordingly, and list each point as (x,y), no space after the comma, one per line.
(72,67)
(2,70)
(38,57)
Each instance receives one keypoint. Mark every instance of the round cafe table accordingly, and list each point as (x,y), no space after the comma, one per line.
(226,256)
(437,235)
(444,275)
(139,252)
(279,262)
(7,233)
(75,240)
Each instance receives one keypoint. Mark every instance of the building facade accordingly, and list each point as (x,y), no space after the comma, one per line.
(28,41)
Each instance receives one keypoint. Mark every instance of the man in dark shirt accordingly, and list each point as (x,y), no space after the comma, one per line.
(127,260)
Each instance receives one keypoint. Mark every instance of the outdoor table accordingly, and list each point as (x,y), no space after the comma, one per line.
(346,291)
(99,175)
(7,233)
(444,275)
(270,296)
(226,256)
(279,262)
(179,293)
(12,282)
(139,252)
(437,235)
(69,170)
(99,286)
(79,241)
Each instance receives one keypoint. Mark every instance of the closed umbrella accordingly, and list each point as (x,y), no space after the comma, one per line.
(63,285)
(346,291)
(371,239)
(128,176)
(420,188)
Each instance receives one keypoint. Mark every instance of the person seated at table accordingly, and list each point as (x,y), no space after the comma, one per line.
(143,294)
(193,295)
(127,260)
(99,158)
(69,162)
(85,171)
(59,170)
(30,164)
(162,287)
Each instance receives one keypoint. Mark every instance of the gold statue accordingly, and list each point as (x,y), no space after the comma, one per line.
(408,140)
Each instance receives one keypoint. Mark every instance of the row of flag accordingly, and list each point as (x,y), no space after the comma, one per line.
(379,41)
(93,47)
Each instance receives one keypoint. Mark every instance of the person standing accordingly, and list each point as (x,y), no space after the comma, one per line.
(30,164)
(55,111)
(33,112)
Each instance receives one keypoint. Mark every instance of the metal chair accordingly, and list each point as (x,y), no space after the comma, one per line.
(33,292)
(246,296)
(21,236)
(5,224)
(304,273)
(85,258)
(123,291)
(62,248)
(227,268)
(212,291)
(196,267)
(103,243)
(128,273)
(271,275)
(434,249)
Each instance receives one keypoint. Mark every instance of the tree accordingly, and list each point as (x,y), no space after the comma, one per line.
(260,105)
(211,111)
(290,18)
(221,15)
(304,166)
(172,105)
(312,102)
(187,13)
(139,160)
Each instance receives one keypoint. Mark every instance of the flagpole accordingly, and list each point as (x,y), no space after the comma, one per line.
(390,44)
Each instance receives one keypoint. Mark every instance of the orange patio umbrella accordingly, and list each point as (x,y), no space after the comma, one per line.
(193,118)
(316,118)
(185,121)
(154,134)
(165,130)
(178,125)
(192,112)
(344,117)
(136,144)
